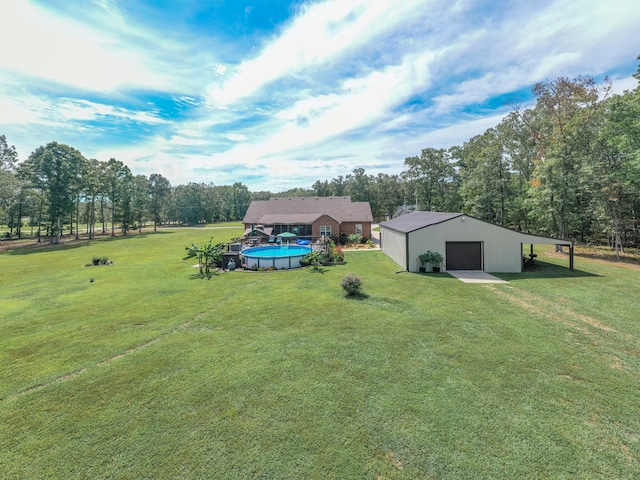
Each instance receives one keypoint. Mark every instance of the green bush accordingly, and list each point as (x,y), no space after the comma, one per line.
(355,238)
(337,255)
(352,284)
(429,257)
(314,258)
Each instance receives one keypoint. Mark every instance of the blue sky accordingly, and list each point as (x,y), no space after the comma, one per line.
(278,94)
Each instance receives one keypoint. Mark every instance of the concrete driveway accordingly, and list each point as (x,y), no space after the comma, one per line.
(475,276)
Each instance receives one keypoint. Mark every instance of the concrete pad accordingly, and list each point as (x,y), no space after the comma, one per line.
(475,276)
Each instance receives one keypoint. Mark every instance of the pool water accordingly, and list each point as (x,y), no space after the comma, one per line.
(280,257)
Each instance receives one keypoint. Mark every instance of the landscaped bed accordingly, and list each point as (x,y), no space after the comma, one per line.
(153,371)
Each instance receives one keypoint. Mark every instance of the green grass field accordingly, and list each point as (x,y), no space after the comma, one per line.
(141,369)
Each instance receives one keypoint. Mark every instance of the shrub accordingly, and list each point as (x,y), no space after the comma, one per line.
(337,255)
(208,255)
(101,261)
(434,258)
(351,284)
(355,238)
(314,258)
(344,238)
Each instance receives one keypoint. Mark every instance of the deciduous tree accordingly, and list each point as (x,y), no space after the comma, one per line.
(57,170)
(160,192)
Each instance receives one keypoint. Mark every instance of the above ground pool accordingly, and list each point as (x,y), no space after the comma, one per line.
(280,257)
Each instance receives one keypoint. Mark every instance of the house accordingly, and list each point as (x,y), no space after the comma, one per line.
(466,243)
(309,217)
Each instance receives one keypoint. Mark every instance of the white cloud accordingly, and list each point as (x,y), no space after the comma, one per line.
(324,32)
(345,83)
(61,111)
(191,141)
(236,137)
(16,111)
(61,50)
(620,85)
(561,38)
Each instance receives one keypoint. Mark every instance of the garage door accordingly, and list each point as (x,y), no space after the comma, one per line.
(464,256)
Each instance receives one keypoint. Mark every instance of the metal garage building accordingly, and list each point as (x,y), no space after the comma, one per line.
(466,243)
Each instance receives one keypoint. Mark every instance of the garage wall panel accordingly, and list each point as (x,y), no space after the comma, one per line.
(501,247)
(394,245)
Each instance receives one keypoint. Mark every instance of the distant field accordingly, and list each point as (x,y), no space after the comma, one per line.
(141,369)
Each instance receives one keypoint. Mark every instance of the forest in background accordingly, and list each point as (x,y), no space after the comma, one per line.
(568,167)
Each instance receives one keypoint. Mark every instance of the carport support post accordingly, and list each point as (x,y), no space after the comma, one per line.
(571,257)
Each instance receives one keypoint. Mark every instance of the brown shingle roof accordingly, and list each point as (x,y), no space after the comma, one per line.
(306,210)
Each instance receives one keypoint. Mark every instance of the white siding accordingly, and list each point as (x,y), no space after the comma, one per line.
(501,247)
(394,245)
(502,251)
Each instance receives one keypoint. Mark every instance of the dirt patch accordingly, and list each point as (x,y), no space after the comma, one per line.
(616,364)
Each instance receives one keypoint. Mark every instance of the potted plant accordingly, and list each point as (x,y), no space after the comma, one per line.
(430,258)
(423,260)
(436,261)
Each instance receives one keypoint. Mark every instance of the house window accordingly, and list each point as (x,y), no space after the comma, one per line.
(359,228)
(325,230)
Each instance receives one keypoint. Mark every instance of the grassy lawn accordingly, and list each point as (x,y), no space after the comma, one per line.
(149,371)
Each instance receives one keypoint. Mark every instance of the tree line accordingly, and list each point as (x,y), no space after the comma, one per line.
(58,188)
(568,167)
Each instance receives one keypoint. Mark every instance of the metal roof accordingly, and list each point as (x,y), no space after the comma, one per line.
(417,220)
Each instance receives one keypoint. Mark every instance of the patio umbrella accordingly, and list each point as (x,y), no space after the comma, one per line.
(286,235)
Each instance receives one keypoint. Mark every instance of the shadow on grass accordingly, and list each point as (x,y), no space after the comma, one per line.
(203,276)
(430,275)
(544,270)
(70,243)
(320,270)
(357,296)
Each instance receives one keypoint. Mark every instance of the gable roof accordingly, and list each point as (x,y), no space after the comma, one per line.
(417,220)
(290,210)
